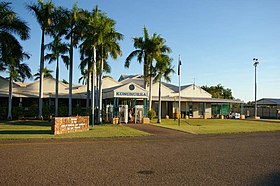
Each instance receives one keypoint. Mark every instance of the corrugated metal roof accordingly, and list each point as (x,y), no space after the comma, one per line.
(174,87)
(269,101)
(205,100)
(123,77)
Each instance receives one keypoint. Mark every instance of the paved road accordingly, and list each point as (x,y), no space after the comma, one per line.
(239,159)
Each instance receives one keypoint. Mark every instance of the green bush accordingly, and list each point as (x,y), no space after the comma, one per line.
(63,111)
(33,110)
(18,112)
(3,113)
(151,114)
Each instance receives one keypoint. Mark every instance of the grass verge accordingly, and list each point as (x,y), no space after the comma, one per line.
(12,130)
(218,126)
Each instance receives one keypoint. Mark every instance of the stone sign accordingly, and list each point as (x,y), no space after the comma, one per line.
(62,125)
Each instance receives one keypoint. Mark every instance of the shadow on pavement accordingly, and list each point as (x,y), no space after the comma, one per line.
(270,179)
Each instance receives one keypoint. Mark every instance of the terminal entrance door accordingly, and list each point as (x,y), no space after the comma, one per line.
(139,113)
(123,114)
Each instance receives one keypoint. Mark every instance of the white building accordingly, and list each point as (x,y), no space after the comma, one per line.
(128,93)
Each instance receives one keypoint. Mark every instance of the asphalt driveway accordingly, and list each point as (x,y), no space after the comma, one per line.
(183,159)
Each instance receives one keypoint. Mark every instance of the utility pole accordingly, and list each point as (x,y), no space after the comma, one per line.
(256,62)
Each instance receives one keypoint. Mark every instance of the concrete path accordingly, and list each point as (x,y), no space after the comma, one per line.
(156,130)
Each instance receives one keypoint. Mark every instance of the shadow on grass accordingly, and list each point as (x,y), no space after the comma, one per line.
(26,132)
(265,121)
(28,122)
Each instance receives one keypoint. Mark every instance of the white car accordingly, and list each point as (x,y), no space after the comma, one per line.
(233,115)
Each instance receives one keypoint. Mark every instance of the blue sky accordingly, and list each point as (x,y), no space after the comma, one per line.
(217,39)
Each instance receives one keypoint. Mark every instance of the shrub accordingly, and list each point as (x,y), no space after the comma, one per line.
(18,112)
(63,111)
(151,114)
(3,113)
(33,110)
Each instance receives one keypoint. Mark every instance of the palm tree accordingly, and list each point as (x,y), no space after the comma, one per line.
(108,45)
(10,27)
(141,53)
(11,52)
(84,77)
(43,13)
(74,28)
(46,73)
(17,71)
(101,35)
(86,73)
(156,49)
(163,69)
(147,50)
(57,47)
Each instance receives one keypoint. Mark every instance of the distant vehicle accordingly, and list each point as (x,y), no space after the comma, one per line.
(233,115)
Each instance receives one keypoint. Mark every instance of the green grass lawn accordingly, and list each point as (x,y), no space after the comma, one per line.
(218,126)
(42,130)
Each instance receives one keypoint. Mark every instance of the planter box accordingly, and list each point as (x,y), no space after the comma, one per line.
(146,120)
(242,116)
(115,120)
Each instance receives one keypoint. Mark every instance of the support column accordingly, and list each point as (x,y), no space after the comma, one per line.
(145,107)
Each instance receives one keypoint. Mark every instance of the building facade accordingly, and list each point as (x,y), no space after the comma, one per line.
(126,99)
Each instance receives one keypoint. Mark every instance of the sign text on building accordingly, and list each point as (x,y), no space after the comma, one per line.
(131,94)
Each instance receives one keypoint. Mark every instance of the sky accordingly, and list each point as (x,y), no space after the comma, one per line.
(217,40)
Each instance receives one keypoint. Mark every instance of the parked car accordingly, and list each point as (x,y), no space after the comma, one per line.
(233,115)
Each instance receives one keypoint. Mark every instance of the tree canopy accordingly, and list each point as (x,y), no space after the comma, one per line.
(218,91)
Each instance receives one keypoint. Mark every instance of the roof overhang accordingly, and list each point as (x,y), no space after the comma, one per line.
(204,100)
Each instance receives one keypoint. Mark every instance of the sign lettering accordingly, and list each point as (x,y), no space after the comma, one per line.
(131,94)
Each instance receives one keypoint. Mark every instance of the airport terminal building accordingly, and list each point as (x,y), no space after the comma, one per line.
(121,98)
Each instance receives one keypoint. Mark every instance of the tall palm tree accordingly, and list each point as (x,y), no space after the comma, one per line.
(108,45)
(86,62)
(10,27)
(17,71)
(46,73)
(11,52)
(156,49)
(163,69)
(73,35)
(86,67)
(141,53)
(147,50)
(43,13)
(57,47)
(101,36)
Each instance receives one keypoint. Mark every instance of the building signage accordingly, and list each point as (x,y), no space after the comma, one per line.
(61,125)
(131,94)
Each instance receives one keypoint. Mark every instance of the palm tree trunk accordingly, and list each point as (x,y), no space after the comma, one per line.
(70,76)
(150,91)
(10,99)
(56,86)
(93,97)
(96,89)
(145,73)
(40,114)
(93,85)
(88,92)
(100,91)
(159,101)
